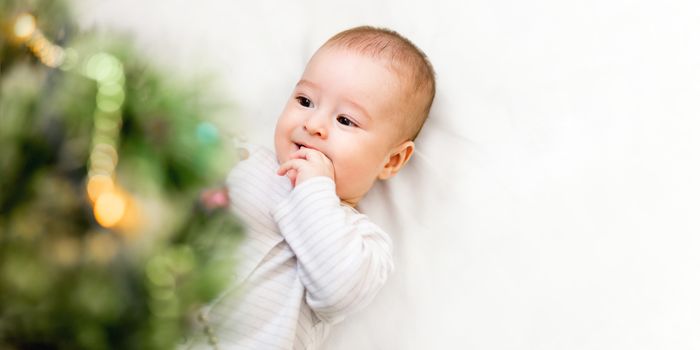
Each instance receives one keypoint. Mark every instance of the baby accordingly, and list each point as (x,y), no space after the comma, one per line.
(309,258)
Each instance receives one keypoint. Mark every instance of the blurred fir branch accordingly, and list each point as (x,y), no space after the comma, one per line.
(70,279)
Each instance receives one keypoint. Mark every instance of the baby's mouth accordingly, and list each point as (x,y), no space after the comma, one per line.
(300,145)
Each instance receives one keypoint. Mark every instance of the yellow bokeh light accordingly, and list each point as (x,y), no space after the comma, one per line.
(99,184)
(108,150)
(25,25)
(104,156)
(109,208)
(131,223)
(53,57)
(101,161)
(37,43)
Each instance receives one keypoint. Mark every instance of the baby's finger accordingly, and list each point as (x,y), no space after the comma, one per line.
(292,175)
(303,153)
(298,154)
(290,164)
(310,154)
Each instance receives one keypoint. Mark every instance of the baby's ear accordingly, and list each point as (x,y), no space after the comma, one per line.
(398,157)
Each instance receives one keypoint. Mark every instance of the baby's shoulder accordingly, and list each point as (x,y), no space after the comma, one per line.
(357,218)
(250,154)
(255,174)
(254,160)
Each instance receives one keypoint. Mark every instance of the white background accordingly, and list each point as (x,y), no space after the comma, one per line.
(555,199)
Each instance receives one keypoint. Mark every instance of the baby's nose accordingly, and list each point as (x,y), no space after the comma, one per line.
(315,125)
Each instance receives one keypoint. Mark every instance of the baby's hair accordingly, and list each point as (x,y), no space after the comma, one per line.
(403,55)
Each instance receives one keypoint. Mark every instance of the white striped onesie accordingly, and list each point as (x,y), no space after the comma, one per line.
(306,263)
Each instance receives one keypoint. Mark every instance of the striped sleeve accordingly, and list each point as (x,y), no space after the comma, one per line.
(342,257)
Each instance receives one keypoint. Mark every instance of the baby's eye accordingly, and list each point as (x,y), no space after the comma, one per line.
(345,121)
(305,102)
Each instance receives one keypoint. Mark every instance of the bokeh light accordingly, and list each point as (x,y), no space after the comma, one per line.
(24,27)
(104,68)
(207,133)
(109,208)
(99,184)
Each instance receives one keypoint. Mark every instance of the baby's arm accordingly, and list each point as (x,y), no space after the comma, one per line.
(343,258)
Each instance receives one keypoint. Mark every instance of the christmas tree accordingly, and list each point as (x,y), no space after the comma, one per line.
(103,244)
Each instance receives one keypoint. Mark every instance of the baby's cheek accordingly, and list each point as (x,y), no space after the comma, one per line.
(345,184)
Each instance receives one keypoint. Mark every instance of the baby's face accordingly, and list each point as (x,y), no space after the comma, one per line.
(347,106)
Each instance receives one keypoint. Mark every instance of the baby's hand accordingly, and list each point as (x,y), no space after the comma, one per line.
(305,164)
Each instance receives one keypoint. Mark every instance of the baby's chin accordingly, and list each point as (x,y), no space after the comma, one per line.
(348,200)
(283,153)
